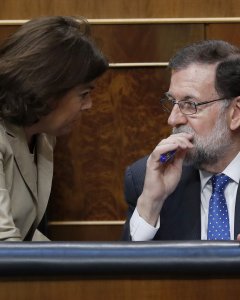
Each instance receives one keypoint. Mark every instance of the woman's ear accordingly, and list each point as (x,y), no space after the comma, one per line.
(235,114)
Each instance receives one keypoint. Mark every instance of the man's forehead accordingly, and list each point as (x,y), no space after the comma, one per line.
(193,81)
(196,67)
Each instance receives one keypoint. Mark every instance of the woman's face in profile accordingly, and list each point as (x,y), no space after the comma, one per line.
(67,111)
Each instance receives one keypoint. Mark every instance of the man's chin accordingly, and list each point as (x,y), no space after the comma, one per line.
(192,160)
(200,160)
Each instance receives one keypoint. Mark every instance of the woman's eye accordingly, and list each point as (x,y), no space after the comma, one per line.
(84,95)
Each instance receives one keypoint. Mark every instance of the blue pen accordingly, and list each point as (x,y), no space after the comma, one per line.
(167,156)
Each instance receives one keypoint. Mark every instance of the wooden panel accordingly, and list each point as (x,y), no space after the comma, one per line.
(137,43)
(125,124)
(227,32)
(120,289)
(145,42)
(85,232)
(6,31)
(25,9)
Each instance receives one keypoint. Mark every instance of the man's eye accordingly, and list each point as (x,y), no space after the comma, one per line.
(188,103)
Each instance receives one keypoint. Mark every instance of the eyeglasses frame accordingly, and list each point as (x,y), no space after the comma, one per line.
(195,104)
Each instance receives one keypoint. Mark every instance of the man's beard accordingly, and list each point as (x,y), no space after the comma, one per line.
(207,149)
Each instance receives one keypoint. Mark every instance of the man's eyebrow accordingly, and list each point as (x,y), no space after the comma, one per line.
(186,98)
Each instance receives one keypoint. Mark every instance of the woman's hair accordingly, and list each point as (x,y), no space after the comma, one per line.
(44,59)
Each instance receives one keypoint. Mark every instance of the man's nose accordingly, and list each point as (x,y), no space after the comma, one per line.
(176,117)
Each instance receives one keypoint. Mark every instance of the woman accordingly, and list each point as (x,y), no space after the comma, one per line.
(47,71)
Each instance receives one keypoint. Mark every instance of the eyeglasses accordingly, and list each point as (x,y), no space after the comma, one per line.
(187,107)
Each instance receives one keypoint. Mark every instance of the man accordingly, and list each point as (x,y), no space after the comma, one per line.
(179,199)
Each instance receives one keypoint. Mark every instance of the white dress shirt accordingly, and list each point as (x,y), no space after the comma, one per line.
(140,230)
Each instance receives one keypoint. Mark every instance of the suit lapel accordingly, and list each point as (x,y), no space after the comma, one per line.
(40,187)
(191,208)
(237,215)
(45,171)
(181,215)
(17,139)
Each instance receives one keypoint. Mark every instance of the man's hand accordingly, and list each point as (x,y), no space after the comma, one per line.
(162,178)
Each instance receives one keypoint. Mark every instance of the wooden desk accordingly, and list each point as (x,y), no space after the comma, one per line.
(190,270)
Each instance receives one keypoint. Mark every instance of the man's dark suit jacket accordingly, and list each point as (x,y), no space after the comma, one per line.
(180,217)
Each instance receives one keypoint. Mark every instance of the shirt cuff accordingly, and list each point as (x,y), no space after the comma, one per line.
(140,230)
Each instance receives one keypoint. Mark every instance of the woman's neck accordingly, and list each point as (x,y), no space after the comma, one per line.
(31,135)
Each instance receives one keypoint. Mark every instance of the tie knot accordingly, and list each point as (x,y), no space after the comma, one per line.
(219,182)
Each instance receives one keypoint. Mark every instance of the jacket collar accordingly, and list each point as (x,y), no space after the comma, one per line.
(23,159)
(40,187)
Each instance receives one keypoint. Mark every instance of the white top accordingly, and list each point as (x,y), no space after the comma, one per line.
(140,230)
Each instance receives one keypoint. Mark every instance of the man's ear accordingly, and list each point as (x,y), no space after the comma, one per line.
(235,114)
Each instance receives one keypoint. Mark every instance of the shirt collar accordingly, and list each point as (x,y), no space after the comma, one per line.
(232,171)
